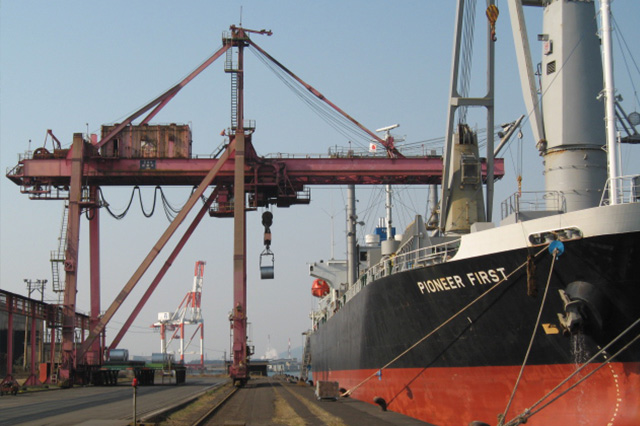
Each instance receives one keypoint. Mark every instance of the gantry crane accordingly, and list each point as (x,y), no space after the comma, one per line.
(188,312)
(122,158)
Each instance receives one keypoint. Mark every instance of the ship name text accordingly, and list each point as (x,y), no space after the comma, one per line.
(453,282)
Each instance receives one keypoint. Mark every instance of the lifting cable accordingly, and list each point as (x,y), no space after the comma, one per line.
(467,55)
(555,253)
(432,332)
(169,210)
(336,120)
(522,418)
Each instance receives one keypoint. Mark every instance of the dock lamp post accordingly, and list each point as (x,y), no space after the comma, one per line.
(36,285)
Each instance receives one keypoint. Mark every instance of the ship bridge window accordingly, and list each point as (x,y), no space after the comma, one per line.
(470,168)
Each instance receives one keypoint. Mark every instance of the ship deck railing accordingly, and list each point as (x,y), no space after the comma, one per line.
(533,201)
(418,258)
(426,256)
(628,190)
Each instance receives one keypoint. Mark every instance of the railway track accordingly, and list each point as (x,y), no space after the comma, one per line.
(269,401)
(204,419)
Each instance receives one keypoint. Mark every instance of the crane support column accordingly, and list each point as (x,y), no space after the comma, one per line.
(155,251)
(94,355)
(71,262)
(10,309)
(239,370)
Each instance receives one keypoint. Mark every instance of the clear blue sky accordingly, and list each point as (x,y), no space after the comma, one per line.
(72,66)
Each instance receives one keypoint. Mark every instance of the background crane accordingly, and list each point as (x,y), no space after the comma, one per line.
(189,312)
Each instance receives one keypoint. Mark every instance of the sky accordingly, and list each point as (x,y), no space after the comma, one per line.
(71,66)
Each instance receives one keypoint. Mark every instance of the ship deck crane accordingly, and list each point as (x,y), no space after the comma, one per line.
(76,174)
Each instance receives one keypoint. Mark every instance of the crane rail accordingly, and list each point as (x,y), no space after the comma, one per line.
(205,417)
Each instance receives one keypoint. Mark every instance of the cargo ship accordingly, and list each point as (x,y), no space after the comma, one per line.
(459,321)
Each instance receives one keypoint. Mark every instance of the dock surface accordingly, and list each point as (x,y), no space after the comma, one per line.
(269,401)
(261,402)
(96,405)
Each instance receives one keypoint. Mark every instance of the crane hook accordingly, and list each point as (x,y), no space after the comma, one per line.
(492,15)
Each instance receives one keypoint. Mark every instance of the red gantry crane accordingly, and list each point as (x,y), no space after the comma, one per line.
(189,312)
(146,154)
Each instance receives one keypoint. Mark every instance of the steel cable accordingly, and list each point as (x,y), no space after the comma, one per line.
(522,418)
(432,332)
(336,120)
(533,336)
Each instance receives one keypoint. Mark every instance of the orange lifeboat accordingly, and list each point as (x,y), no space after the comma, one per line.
(320,288)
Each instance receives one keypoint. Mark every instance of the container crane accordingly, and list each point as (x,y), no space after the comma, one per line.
(189,312)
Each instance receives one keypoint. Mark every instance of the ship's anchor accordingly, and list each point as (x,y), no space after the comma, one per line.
(584,307)
(267,258)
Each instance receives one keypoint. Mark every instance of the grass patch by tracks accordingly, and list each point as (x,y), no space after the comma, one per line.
(194,411)
(284,413)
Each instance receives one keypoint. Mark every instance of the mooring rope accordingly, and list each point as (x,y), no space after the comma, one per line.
(348,392)
(533,336)
(522,418)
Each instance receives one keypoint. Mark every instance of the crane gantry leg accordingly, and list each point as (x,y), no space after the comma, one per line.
(68,362)
(94,355)
(155,251)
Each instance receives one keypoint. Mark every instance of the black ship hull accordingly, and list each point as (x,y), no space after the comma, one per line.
(474,319)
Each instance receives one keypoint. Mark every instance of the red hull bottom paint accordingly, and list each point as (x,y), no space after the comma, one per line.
(458,396)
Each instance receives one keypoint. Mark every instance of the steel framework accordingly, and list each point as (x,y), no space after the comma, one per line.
(39,316)
(189,312)
(76,174)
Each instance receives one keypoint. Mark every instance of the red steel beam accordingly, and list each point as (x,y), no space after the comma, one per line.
(94,273)
(386,143)
(10,310)
(163,99)
(129,286)
(69,359)
(239,370)
(164,269)
(33,379)
(306,171)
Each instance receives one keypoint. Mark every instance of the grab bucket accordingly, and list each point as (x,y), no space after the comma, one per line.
(266,265)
